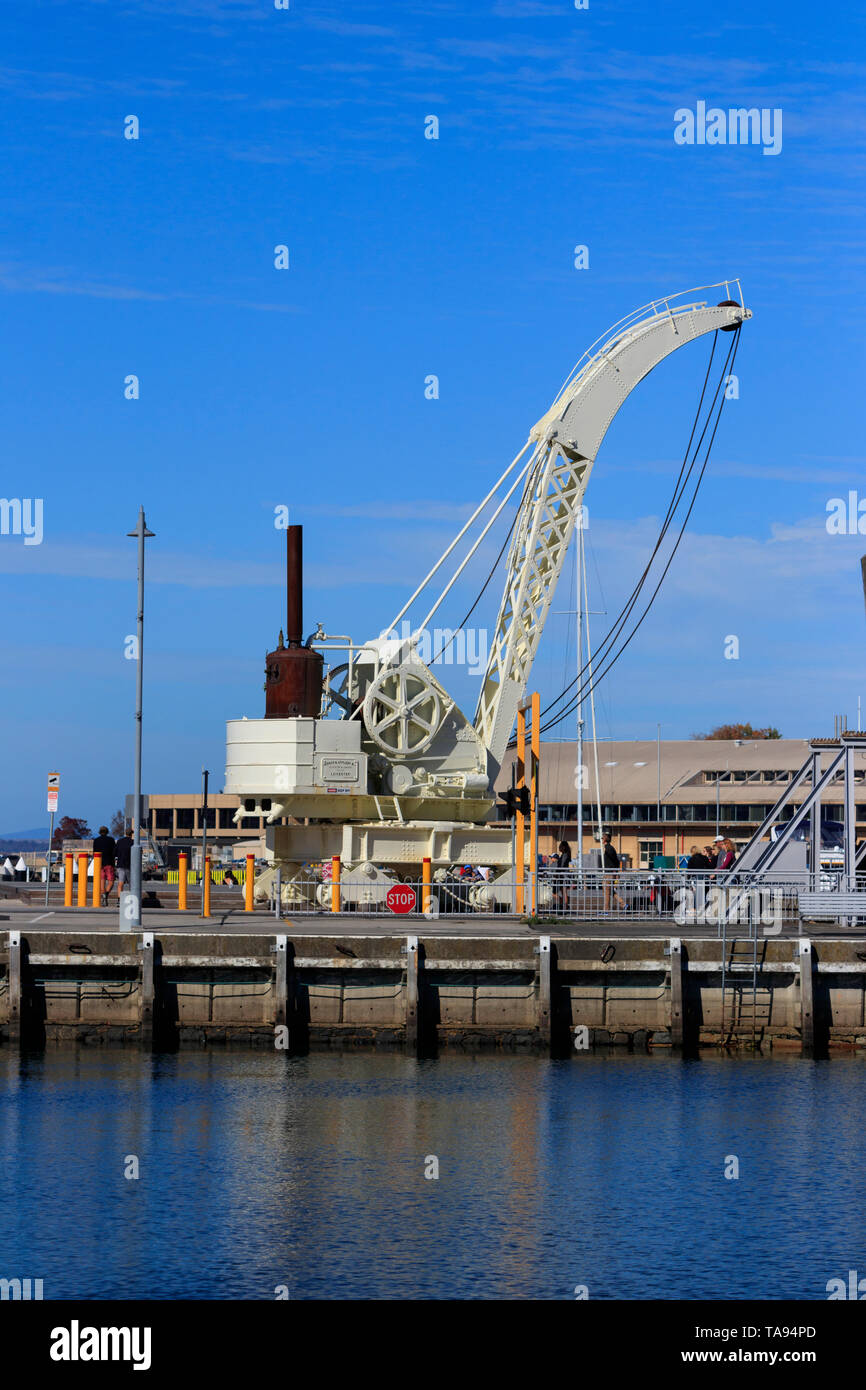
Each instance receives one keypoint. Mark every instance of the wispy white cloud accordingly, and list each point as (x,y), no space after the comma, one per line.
(24,280)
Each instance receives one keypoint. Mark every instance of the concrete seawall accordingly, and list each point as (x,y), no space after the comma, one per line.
(563,995)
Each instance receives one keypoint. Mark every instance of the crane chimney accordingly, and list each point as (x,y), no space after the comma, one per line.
(293,671)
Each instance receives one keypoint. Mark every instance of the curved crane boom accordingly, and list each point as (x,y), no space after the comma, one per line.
(567,439)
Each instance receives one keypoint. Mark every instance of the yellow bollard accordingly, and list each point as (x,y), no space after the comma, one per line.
(205,909)
(82,880)
(68,876)
(520,836)
(425,885)
(96,896)
(335,883)
(533,790)
(182,882)
(249,882)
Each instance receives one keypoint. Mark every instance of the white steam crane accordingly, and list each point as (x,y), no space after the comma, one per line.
(376,757)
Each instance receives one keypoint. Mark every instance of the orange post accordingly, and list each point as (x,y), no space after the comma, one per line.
(425,885)
(533,791)
(182,882)
(82,880)
(96,896)
(68,876)
(520,820)
(335,883)
(249,881)
(205,884)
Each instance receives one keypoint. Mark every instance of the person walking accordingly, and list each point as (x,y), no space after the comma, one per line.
(610,868)
(123,860)
(105,845)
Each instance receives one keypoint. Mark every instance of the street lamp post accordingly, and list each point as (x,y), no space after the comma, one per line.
(141,534)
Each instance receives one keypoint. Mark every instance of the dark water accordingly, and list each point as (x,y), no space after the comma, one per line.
(258,1171)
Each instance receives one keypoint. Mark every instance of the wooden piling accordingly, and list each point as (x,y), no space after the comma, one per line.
(16,992)
(545,991)
(281,983)
(412,994)
(147,982)
(677,1018)
(807,1007)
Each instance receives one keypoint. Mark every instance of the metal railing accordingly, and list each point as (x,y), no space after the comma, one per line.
(678,898)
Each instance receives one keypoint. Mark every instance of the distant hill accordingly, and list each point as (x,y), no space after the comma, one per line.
(17,841)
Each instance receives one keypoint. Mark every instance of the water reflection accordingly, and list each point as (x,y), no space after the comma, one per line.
(260,1170)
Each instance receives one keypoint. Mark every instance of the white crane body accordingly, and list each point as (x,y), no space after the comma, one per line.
(402,772)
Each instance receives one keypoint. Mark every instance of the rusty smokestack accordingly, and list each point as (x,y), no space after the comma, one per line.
(293,672)
(294,586)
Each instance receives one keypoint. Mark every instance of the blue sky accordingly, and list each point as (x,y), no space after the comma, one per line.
(409,257)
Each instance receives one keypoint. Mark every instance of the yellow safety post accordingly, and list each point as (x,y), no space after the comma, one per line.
(533,786)
(182,882)
(335,883)
(249,879)
(82,880)
(205,906)
(68,875)
(425,885)
(519,819)
(96,894)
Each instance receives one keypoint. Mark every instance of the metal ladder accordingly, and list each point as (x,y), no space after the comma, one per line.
(746,1000)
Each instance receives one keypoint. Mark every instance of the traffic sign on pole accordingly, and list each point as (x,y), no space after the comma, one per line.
(53,792)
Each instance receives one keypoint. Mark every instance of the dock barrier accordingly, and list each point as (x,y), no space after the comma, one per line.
(557,996)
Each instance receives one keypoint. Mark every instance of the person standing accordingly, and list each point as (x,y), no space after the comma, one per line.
(728,857)
(699,861)
(122,859)
(105,845)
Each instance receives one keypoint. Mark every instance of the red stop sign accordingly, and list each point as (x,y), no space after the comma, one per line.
(401,898)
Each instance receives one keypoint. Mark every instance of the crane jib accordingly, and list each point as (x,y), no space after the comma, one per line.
(566,441)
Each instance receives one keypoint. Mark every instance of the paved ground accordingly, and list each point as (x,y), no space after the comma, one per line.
(37,918)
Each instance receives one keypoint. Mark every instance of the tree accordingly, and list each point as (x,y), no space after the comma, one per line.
(739,731)
(70,828)
(117,824)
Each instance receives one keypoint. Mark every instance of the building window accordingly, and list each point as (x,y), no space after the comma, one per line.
(162,818)
(647,851)
(226,814)
(185,818)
